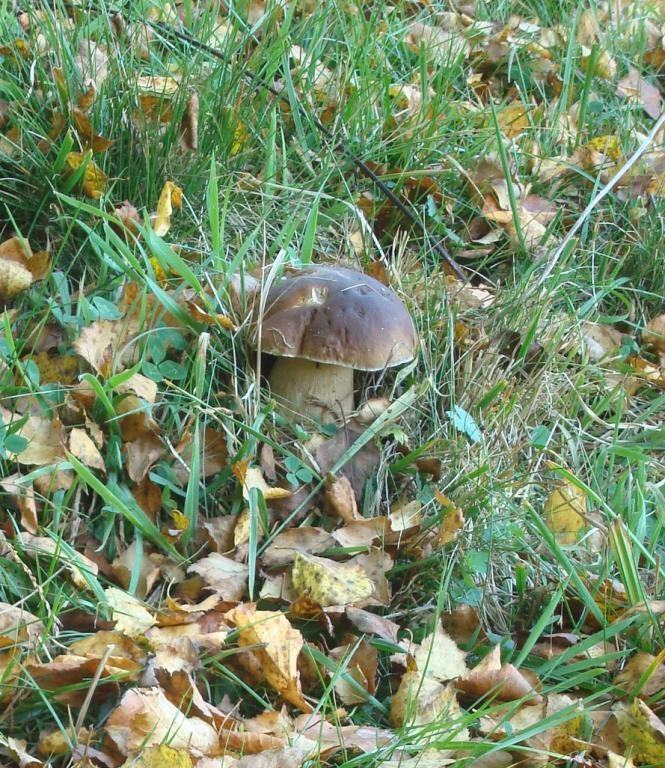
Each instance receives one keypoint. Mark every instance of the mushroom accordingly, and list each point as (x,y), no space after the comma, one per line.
(321,323)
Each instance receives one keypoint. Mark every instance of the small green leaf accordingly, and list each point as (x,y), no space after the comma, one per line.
(465,423)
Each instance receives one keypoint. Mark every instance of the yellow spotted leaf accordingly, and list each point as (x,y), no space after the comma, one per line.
(94,179)
(328,582)
(642,731)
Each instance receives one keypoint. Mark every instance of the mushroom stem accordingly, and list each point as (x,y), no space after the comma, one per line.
(318,390)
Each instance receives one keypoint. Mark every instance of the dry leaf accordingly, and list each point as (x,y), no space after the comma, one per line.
(633,86)
(340,499)
(170,197)
(252,477)
(189,128)
(84,449)
(275,644)
(19,267)
(502,681)
(225,577)
(18,626)
(439,657)
(359,662)
(73,563)
(145,717)
(130,615)
(94,179)
(565,513)
(283,547)
(420,700)
(45,438)
(642,732)
(328,582)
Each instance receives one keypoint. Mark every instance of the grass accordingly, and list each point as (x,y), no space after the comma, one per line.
(502,399)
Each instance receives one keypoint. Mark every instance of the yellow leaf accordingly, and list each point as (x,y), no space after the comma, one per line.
(642,731)
(420,700)
(276,645)
(82,446)
(253,478)
(45,438)
(171,195)
(162,756)
(131,616)
(328,582)
(565,513)
(14,278)
(94,179)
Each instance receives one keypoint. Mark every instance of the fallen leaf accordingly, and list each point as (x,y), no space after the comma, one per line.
(642,732)
(18,626)
(269,637)
(359,662)
(94,180)
(169,198)
(439,657)
(225,577)
(421,700)
(73,563)
(84,449)
(145,718)
(328,582)
(565,513)
(252,477)
(501,681)
(130,615)
(636,88)
(44,438)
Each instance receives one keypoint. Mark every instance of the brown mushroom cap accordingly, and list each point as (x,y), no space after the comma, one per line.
(335,315)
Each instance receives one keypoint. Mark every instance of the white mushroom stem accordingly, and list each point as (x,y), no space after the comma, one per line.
(318,390)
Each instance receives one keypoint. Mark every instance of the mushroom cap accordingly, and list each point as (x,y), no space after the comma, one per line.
(335,315)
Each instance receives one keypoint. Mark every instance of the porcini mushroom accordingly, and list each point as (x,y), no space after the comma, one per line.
(321,323)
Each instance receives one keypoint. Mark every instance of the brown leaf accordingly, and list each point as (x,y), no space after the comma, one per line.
(17,751)
(84,449)
(225,577)
(307,540)
(45,438)
(502,681)
(359,661)
(645,671)
(635,87)
(145,717)
(340,499)
(420,700)
(103,344)
(23,495)
(654,334)
(18,626)
(126,567)
(73,563)
(73,671)
(131,616)
(189,128)
(370,623)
